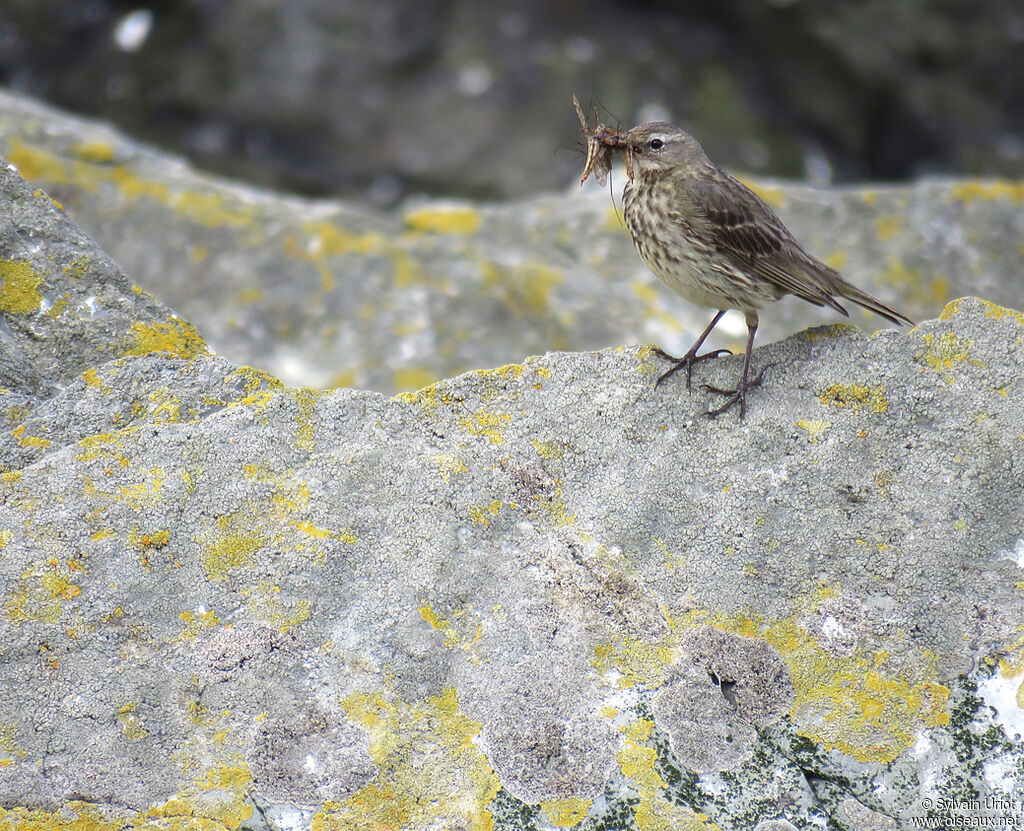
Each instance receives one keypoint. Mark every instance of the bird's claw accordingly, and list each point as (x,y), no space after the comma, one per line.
(688,360)
(737,395)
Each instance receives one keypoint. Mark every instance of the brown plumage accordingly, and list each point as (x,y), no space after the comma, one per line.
(713,240)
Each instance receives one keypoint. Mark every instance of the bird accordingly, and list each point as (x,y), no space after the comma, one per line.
(713,241)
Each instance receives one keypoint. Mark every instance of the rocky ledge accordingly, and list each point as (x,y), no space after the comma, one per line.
(541,594)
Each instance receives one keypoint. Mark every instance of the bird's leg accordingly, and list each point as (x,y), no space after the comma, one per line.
(740,393)
(691,357)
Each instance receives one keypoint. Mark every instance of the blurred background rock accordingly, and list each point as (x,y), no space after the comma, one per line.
(378,100)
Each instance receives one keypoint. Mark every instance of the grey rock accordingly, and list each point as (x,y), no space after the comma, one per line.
(860,818)
(379,97)
(324,294)
(502,596)
(775,825)
(711,706)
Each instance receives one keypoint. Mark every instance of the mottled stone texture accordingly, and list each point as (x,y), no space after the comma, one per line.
(542,593)
(321,294)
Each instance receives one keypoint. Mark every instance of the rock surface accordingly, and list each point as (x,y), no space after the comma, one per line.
(320,294)
(387,97)
(545,593)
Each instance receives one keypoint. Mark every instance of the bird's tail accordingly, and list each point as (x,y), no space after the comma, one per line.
(873,304)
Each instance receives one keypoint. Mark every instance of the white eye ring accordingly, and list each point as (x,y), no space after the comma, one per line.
(656,144)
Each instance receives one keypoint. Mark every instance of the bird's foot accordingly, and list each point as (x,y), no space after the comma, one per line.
(736,396)
(688,360)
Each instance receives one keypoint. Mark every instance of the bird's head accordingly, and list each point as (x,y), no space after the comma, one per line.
(657,147)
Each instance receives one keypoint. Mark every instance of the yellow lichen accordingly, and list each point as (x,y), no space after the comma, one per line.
(829,330)
(266,605)
(971,191)
(479,513)
(836,260)
(452,219)
(636,661)
(143,494)
(153,540)
(231,545)
(888,227)
(413,378)
(93,166)
(946,351)
(103,446)
(92,379)
(430,397)
(501,372)
(130,723)
(553,508)
(462,629)
(654,811)
(19,287)
(525,289)
(11,753)
(196,622)
(771,194)
(305,428)
(39,594)
(860,704)
(815,429)
(998,312)
(59,307)
(856,396)
(567,812)
(432,774)
(213,210)
(98,152)
(486,424)
(449,465)
(899,274)
(28,441)
(176,336)
(548,449)
(254,380)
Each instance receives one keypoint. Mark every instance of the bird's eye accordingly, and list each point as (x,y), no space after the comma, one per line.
(656,144)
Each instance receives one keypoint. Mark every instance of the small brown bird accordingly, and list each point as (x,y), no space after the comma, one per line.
(712,240)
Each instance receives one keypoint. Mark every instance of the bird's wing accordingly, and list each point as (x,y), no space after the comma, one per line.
(749,233)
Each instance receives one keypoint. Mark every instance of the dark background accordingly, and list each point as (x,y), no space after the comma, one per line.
(377,99)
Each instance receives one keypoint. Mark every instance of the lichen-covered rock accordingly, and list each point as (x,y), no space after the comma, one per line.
(320,293)
(517,597)
(446,96)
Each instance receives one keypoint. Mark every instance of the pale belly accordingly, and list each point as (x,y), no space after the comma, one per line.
(695,271)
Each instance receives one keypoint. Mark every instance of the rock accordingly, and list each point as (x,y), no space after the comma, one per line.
(500,598)
(379,98)
(325,294)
